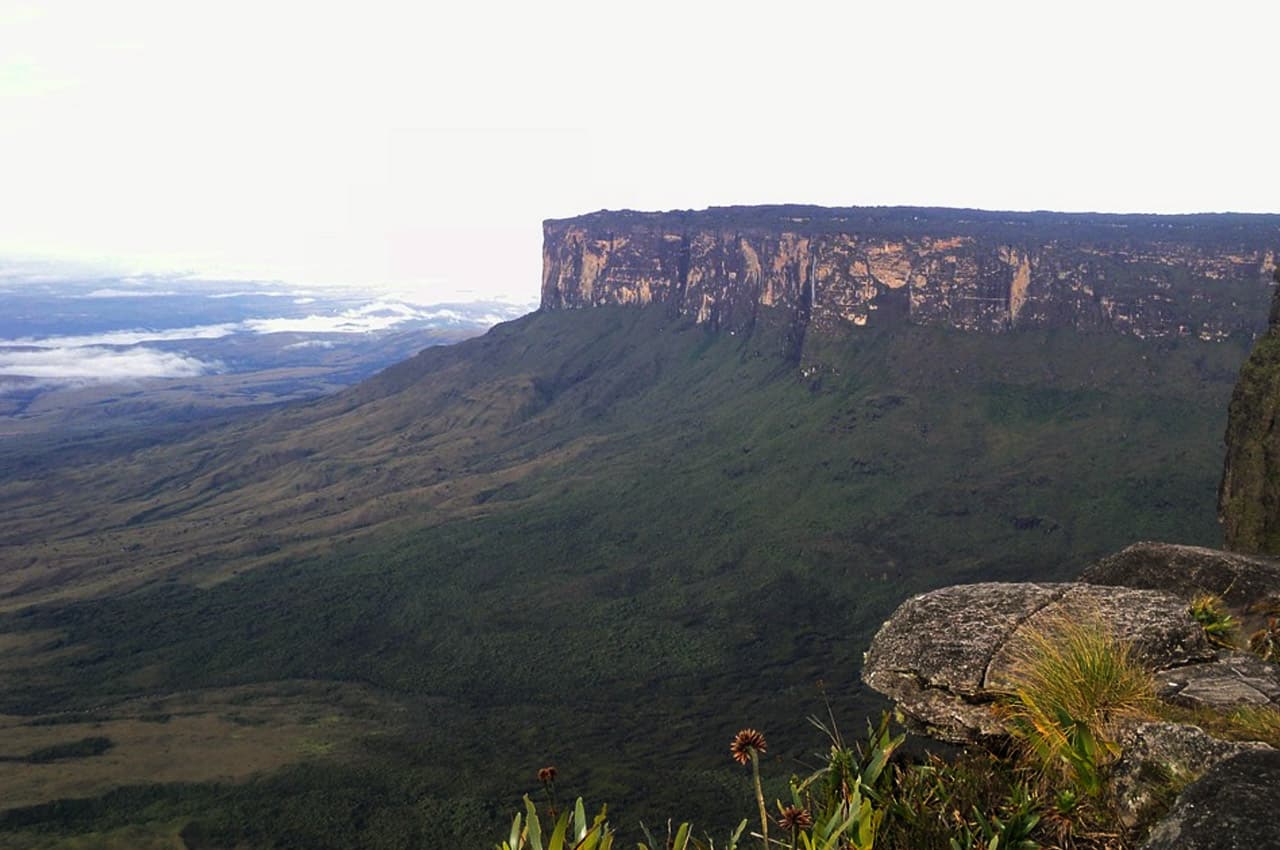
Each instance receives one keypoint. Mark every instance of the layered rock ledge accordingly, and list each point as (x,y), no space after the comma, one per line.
(1204,276)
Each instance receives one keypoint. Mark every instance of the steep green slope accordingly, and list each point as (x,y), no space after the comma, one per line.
(601,539)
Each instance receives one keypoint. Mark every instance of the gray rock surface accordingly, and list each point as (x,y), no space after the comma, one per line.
(1233,806)
(1158,757)
(932,657)
(1231,680)
(943,656)
(1155,624)
(1187,571)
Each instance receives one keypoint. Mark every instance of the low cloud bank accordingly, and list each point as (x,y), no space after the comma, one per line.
(368,318)
(129,293)
(128,337)
(123,354)
(99,364)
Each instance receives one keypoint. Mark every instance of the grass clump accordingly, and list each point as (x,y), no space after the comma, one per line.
(1255,723)
(1244,723)
(1073,686)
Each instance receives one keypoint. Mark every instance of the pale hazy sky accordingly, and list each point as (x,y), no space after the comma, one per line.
(418,146)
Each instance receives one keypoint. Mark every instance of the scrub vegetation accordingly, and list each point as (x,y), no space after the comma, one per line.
(601,540)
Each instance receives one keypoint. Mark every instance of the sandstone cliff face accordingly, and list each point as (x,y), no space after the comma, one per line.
(1151,276)
(1249,499)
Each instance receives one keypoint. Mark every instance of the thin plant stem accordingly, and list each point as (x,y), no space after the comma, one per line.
(764,814)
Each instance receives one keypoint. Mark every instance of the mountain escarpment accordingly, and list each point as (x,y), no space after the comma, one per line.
(1249,499)
(823,268)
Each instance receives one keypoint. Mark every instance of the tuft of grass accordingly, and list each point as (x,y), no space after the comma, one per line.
(1245,723)
(1256,723)
(1074,684)
(1210,611)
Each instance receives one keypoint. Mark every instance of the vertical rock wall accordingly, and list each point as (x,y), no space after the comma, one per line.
(1249,499)
(1149,276)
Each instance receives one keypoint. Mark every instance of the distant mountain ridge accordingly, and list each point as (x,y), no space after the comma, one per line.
(1204,275)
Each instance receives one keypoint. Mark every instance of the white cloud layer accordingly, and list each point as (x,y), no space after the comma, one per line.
(127,337)
(129,293)
(369,318)
(122,354)
(99,364)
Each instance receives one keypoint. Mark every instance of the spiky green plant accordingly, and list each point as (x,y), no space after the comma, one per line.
(1073,683)
(570,831)
(1210,611)
(1012,831)
(681,838)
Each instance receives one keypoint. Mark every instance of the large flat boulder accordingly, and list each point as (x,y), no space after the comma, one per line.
(1188,571)
(944,656)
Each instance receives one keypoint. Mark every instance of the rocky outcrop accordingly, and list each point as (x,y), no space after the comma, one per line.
(1233,806)
(1189,571)
(1230,680)
(1159,756)
(1249,498)
(1150,276)
(945,656)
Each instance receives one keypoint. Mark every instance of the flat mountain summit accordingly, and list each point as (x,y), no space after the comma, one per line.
(1145,275)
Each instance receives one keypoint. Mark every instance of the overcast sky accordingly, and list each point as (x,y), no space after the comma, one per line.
(417,146)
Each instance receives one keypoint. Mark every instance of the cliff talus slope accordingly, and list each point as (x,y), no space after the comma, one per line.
(1150,276)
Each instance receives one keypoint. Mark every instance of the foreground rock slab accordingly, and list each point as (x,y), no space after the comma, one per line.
(1231,680)
(1233,806)
(945,656)
(1158,754)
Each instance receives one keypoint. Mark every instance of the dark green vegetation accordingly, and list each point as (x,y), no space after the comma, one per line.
(602,540)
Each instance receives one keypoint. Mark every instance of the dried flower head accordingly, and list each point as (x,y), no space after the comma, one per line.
(794,817)
(746,742)
(547,775)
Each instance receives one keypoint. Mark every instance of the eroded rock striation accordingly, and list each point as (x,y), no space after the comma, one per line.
(1152,276)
